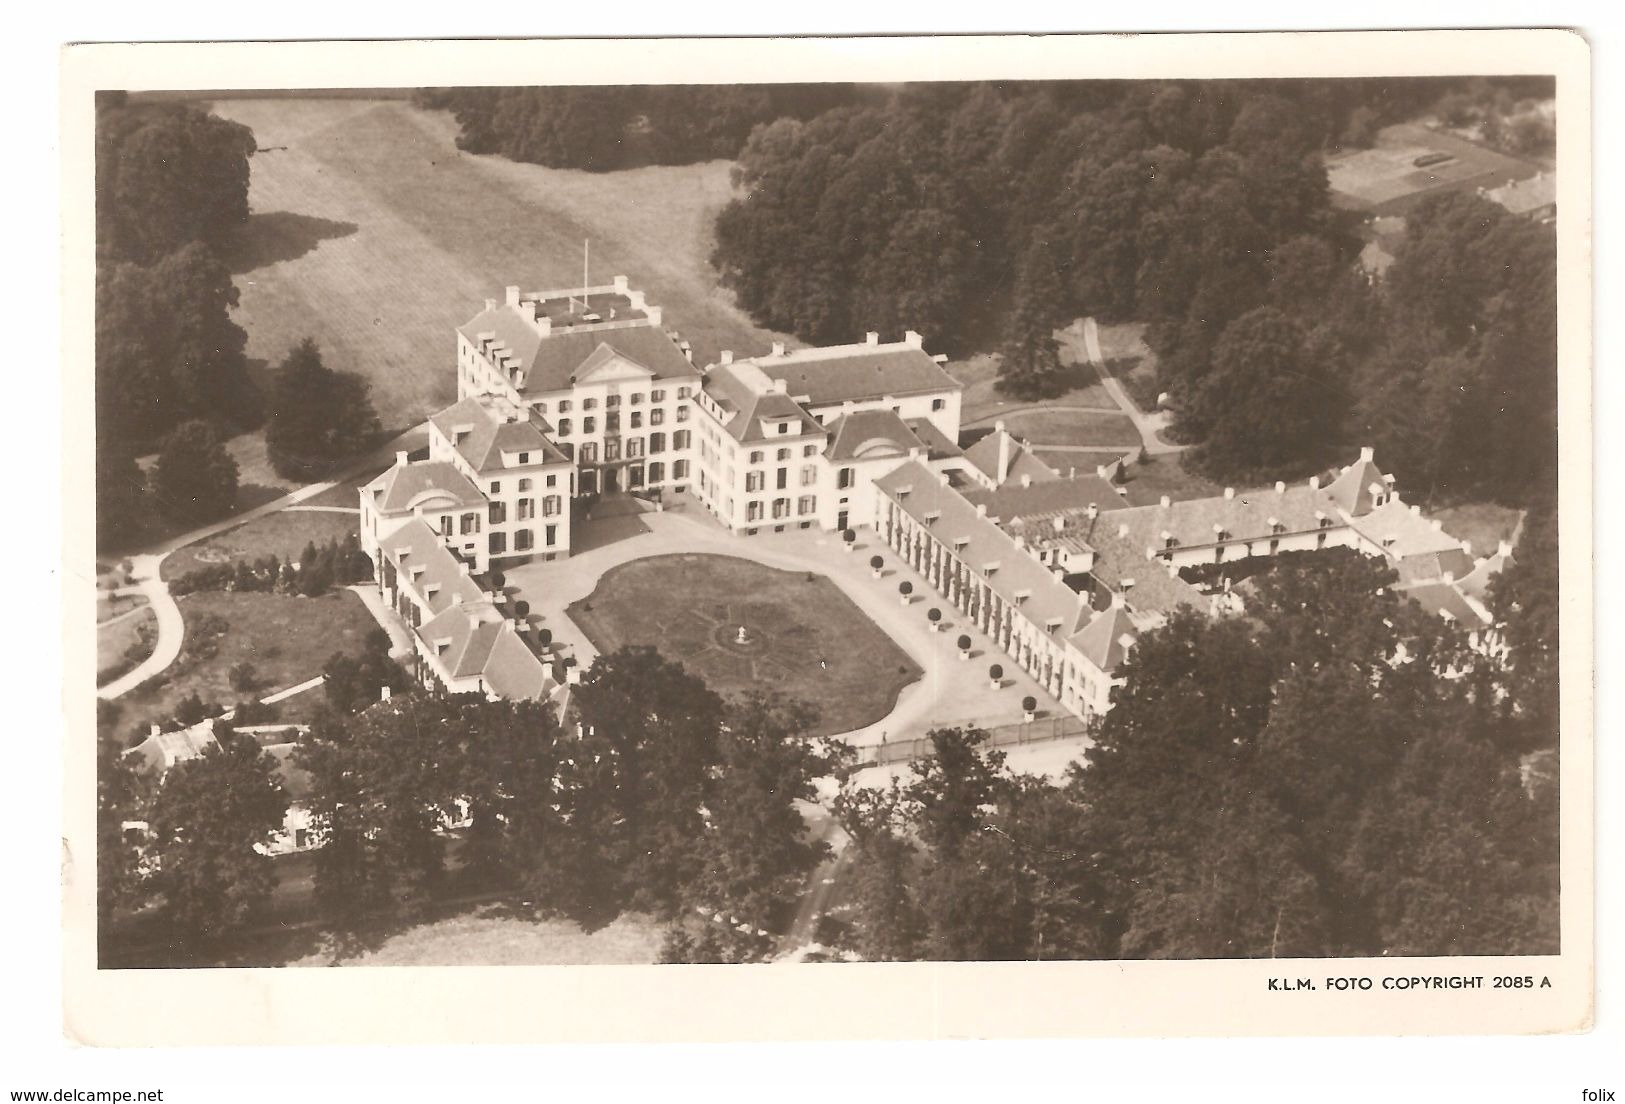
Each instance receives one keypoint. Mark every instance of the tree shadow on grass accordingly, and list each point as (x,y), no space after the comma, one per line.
(276,236)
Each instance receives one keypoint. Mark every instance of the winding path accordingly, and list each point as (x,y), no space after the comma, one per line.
(1150,426)
(146,564)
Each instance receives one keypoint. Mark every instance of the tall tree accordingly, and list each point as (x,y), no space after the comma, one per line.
(315,415)
(122,795)
(209,819)
(195,478)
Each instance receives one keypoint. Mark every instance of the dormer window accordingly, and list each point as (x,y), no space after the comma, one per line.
(932,515)
(1022,595)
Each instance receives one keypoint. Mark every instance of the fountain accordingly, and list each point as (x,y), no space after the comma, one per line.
(742,637)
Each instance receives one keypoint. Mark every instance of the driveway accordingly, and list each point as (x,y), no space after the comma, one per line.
(145,564)
(1084,332)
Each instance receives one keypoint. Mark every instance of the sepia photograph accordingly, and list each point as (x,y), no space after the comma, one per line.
(836,520)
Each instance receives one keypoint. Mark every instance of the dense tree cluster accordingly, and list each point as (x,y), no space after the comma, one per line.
(604,127)
(1300,783)
(315,415)
(988,215)
(661,799)
(171,194)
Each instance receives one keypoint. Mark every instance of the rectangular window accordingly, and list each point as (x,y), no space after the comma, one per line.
(564,427)
(612,422)
(589,452)
(657,471)
(809,450)
(564,406)
(527,509)
(657,443)
(784,454)
(589,425)
(634,399)
(781,508)
(657,395)
(809,475)
(612,449)
(939,404)
(524,457)
(683,392)
(499,512)
(682,413)
(446,524)
(657,417)
(783,478)
(525,484)
(499,543)
(471,524)
(634,448)
(552,481)
(806,504)
(612,401)
(551,505)
(523,540)
(680,439)
(843,479)
(589,404)
(496,487)
(753,511)
(679,470)
(552,534)
(784,427)
(635,419)
(757,456)
(754,481)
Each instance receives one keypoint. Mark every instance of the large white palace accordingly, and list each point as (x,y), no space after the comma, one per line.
(581,392)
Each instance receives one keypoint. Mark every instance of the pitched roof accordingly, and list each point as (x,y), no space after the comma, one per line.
(937,445)
(1444,600)
(1426,566)
(427,481)
(984,456)
(854,373)
(1351,490)
(1120,563)
(865,434)
(481,435)
(1244,516)
(1523,196)
(741,389)
(1402,531)
(414,545)
(551,363)
(1476,582)
(1023,582)
(1101,641)
(1078,492)
(512,670)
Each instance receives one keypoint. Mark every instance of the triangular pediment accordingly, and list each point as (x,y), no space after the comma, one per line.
(607,364)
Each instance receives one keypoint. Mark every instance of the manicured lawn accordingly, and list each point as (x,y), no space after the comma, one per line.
(690,606)
(286,638)
(1483,524)
(1074,427)
(1166,475)
(109,605)
(481,939)
(375,235)
(114,641)
(981,400)
(283,534)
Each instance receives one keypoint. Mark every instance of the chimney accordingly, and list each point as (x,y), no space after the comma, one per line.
(778,348)
(655,314)
(913,340)
(1118,601)
(1094,511)
(622,284)
(512,295)
(1122,529)
(727,356)
(1229,492)
(1004,452)
(981,509)
(1449,577)
(544,326)
(490,304)
(1504,549)
(871,338)
(1438,525)
(462,567)
(383,693)
(1166,502)
(1368,454)
(1100,472)
(156,729)
(1314,482)
(1280,487)
(400,459)
(1026,480)
(527,311)
(1058,523)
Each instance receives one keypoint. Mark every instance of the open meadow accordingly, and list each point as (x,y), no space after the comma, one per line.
(374,234)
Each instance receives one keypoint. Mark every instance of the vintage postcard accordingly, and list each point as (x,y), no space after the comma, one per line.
(828,538)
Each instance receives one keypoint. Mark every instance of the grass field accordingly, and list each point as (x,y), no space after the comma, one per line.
(1156,476)
(375,235)
(795,621)
(114,641)
(981,400)
(482,939)
(286,638)
(1078,428)
(283,534)
(110,605)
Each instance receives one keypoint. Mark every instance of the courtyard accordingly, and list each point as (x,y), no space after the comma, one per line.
(941,689)
(801,635)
